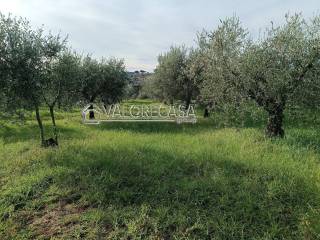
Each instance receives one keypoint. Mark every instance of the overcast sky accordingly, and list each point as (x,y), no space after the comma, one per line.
(139,30)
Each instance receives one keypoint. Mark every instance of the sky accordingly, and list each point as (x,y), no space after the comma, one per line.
(139,30)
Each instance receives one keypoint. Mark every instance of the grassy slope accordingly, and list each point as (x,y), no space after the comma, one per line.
(159,181)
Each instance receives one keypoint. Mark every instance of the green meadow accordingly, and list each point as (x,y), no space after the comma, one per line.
(217,179)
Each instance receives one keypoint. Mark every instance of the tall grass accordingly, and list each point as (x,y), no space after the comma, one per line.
(160,181)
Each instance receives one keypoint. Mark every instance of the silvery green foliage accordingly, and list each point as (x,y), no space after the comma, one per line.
(13,34)
(270,71)
(62,80)
(149,88)
(169,72)
(105,79)
(90,78)
(115,80)
(221,52)
(26,58)
(174,75)
(282,62)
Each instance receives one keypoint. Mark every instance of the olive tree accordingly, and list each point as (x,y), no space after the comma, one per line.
(168,72)
(268,71)
(61,84)
(113,82)
(105,79)
(90,79)
(149,88)
(4,65)
(27,53)
(175,76)
(12,34)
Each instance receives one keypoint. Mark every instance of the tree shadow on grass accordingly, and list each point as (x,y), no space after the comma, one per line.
(217,120)
(302,135)
(26,132)
(203,125)
(227,197)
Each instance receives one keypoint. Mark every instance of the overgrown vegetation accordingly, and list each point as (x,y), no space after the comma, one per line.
(212,180)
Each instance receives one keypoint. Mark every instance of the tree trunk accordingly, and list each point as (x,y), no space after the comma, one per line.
(91,113)
(40,126)
(188,102)
(54,124)
(275,121)
(206,113)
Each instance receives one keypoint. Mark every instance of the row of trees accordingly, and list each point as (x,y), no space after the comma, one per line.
(226,67)
(38,69)
(229,67)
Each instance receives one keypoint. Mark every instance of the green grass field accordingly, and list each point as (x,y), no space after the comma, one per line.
(160,181)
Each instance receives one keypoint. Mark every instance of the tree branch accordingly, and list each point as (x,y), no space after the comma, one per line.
(304,71)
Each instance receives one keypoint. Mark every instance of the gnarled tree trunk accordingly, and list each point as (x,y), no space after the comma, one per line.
(91,113)
(275,121)
(206,113)
(187,102)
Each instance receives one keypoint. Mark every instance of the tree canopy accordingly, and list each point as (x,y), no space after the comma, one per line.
(229,66)
(175,75)
(38,69)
